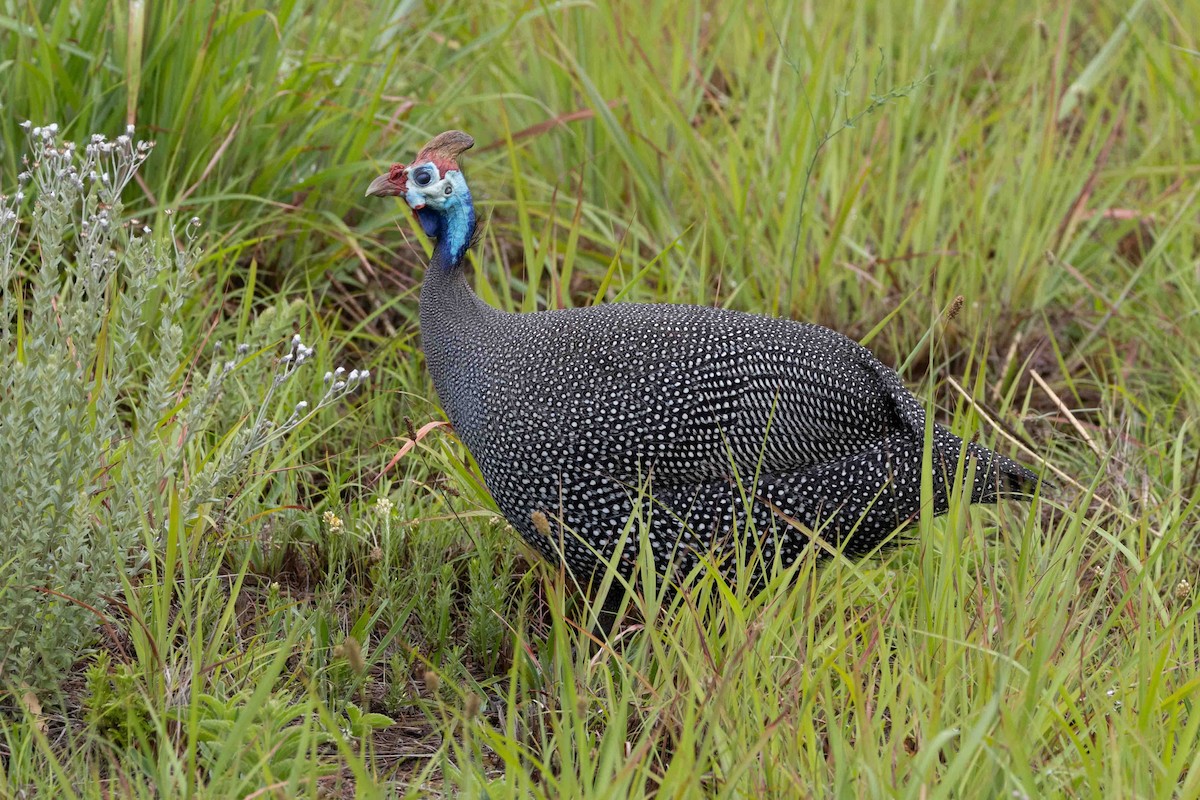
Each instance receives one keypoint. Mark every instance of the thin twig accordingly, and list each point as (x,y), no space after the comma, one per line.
(408,444)
(878,100)
(1033,454)
(212,162)
(1087,437)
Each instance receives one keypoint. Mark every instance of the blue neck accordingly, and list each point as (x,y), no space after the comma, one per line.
(453,227)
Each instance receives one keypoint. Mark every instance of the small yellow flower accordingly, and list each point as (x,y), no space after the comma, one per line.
(334,522)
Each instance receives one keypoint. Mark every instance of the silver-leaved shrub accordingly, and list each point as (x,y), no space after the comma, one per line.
(101,417)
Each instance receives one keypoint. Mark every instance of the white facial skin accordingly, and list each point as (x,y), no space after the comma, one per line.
(445,205)
(427,187)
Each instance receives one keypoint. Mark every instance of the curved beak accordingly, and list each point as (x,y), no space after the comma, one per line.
(383,186)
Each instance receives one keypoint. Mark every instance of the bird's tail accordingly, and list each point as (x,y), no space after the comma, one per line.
(998,477)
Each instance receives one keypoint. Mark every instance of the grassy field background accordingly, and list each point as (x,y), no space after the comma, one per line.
(1000,199)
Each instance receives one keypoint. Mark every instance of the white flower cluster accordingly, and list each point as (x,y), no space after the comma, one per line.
(383,507)
(61,173)
(8,209)
(298,354)
(117,160)
(8,241)
(74,190)
(339,380)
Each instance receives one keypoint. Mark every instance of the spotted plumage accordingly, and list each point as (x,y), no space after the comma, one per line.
(715,427)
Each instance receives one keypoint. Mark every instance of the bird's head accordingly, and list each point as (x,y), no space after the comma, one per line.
(432,185)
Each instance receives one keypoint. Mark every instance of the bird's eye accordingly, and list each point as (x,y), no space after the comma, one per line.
(422,177)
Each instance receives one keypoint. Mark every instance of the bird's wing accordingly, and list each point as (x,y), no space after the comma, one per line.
(779,406)
(689,391)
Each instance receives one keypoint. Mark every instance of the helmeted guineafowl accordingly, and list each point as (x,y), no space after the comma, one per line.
(578,416)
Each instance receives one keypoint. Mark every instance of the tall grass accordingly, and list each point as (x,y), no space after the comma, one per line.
(1043,168)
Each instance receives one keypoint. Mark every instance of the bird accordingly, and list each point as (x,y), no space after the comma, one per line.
(717,431)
